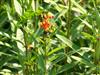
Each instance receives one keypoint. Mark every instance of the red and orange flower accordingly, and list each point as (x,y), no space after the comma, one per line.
(45,24)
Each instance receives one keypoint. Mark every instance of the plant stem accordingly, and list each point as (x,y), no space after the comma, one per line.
(97,47)
(68,25)
(45,56)
(36,3)
(69,18)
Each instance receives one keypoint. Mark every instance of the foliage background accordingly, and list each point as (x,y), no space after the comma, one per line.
(69,47)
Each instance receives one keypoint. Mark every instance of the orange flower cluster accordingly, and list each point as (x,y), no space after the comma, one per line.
(45,24)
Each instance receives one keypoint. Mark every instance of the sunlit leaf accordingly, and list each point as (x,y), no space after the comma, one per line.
(68,42)
(82,60)
(18,7)
(20,37)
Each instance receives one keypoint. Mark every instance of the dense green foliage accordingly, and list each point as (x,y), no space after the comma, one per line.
(49,37)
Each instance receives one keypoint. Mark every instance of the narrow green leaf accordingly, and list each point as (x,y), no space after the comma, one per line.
(18,7)
(55,50)
(86,23)
(78,6)
(82,60)
(41,63)
(33,5)
(68,42)
(57,57)
(3,18)
(5,44)
(5,34)
(66,67)
(61,13)
(97,18)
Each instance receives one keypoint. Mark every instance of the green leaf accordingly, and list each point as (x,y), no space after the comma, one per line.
(41,63)
(12,21)
(97,18)
(55,50)
(38,32)
(66,67)
(82,60)
(88,36)
(18,7)
(3,18)
(78,6)
(86,23)
(61,13)
(20,37)
(5,34)
(68,42)
(5,44)
(57,57)
(52,71)
(33,5)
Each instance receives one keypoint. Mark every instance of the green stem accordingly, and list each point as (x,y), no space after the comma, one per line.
(36,3)
(45,54)
(97,56)
(97,47)
(68,25)
(68,22)
(69,18)
(35,20)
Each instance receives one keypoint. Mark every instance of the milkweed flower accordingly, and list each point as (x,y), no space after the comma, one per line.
(45,24)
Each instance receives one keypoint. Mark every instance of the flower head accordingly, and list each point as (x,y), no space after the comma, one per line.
(45,24)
